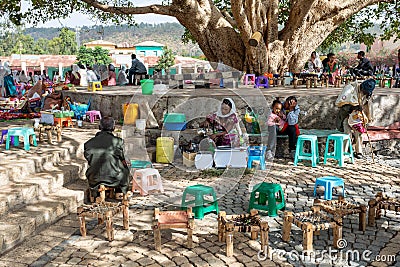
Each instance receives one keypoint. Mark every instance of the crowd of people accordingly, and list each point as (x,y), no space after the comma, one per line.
(78,75)
(330,67)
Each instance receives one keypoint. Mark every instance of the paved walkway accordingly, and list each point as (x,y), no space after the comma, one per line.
(62,245)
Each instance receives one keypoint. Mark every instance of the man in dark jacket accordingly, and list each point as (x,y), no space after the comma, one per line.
(137,70)
(364,67)
(105,156)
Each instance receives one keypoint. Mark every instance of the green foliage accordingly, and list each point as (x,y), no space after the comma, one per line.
(166,60)
(17,42)
(89,57)
(354,29)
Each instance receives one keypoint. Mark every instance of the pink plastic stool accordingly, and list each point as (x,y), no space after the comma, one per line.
(145,180)
(249,79)
(93,114)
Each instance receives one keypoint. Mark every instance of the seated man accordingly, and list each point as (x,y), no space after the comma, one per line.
(105,156)
(364,67)
(136,70)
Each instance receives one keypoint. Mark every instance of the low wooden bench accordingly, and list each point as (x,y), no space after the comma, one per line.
(245,223)
(310,222)
(48,129)
(103,210)
(379,203)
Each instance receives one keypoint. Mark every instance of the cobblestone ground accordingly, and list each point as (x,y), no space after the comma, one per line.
(62,245)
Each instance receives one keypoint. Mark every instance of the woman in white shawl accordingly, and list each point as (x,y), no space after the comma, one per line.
(83,73)
(225,124)
(122,79)
(75,77)
(314,64)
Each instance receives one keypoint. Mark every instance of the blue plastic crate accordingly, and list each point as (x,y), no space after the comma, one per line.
(175,126)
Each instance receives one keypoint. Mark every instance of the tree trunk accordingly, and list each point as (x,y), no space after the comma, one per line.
(225,39)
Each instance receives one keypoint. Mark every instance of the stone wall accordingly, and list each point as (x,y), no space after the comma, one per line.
(318,112)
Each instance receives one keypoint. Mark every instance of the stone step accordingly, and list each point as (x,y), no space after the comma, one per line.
(16,167)
(28,189)
(20,223)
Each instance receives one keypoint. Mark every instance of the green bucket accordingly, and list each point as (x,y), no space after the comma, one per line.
(147,87)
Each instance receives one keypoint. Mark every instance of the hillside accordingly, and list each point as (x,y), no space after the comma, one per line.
(166,33)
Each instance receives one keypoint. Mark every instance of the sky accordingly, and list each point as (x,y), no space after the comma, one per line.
(77,19)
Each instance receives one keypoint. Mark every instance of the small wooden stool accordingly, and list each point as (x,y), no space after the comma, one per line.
(172,219)
(104,210)
(310,222)
(379,203)
(228,224)
(341,208)
(48,129)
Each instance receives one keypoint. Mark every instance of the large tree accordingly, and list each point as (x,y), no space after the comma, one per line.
(291,29)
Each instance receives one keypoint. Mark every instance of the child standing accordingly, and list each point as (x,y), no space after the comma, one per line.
(276,122)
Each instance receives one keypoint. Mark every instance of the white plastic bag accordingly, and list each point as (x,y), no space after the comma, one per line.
(348,95)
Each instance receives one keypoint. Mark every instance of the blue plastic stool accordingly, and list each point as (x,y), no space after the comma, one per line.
(329,182)
(301,155)
(25,133)
(261,81)
(256,153)
(201,205)
(339,152)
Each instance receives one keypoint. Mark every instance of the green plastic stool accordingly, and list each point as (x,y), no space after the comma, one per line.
(263,192)
(25,132)
(301,155)
(339,152)
(201,205)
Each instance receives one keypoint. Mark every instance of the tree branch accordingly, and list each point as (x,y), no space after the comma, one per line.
(121,10)
(229,18)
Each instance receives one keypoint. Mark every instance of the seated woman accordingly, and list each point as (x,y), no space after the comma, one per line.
(112,80)
(122,79)
(225,124)
(314,64)
(332,69)
(75,77)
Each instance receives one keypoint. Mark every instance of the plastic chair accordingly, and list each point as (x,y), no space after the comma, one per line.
(147,181)
(328,182)
(270,192)
(93,114)
(4,134)
(249,79)
(339,152)
(200,208)
(261,81)
(256,153)
(301,155)
(25,133)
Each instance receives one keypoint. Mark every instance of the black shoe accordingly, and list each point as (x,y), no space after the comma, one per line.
(358,155)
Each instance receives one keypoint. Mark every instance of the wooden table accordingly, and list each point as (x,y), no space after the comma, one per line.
(228,224)
(310,222)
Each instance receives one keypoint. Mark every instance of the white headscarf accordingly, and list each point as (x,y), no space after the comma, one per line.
(232,111)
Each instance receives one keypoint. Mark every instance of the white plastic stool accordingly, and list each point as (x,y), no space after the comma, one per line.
(147,181)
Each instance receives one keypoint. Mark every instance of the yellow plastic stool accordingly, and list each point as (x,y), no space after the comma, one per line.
(95,86)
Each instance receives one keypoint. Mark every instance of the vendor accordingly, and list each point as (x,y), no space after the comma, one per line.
(225,124)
